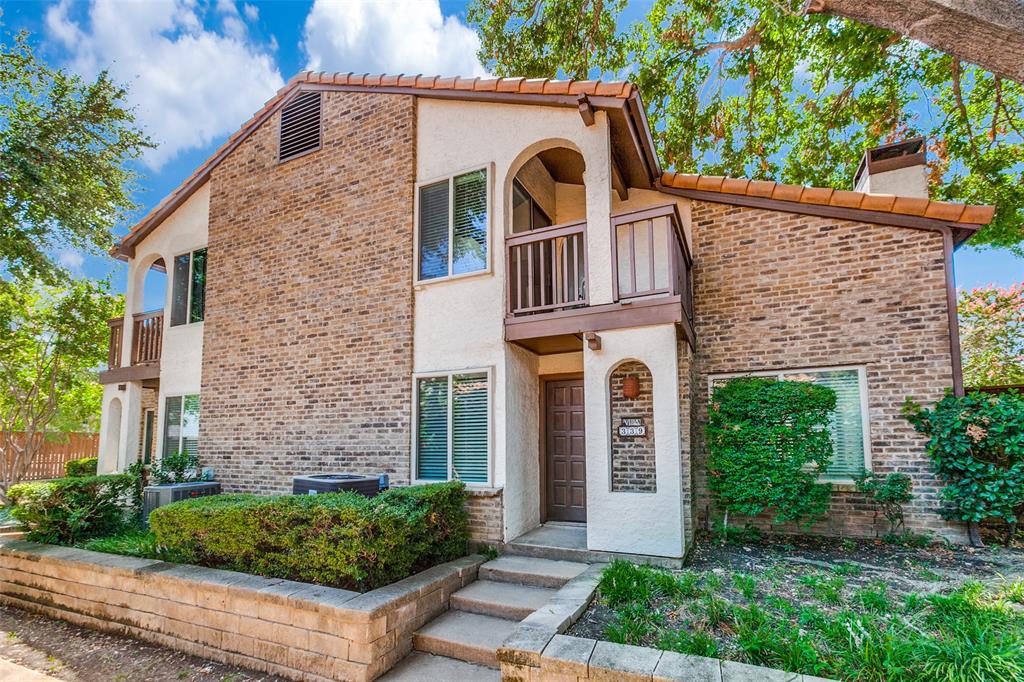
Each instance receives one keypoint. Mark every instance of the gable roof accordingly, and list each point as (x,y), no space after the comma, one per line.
(632,145)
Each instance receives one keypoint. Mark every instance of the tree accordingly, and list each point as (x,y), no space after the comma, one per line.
(992,335)
(52,337)
(756,88)
(63,147)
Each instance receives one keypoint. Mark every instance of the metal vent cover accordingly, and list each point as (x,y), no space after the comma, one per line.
(300,126)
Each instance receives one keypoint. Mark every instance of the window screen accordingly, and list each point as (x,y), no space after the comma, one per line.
(453,226)
(453,428)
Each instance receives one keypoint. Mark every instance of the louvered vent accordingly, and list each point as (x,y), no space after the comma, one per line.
(300,126)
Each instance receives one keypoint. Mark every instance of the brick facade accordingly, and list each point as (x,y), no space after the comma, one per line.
(632,457)
(486,516)
(777,290)
(307,352)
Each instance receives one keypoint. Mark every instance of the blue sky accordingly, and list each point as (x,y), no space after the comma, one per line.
(197,69)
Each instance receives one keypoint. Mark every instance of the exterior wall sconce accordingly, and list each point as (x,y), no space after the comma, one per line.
(631,387)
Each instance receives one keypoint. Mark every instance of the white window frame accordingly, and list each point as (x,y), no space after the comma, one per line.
(162,428)
(864,402)
(188,298)
(488,371)
(488,268)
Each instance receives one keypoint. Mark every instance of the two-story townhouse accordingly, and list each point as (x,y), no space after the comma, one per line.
(493,280)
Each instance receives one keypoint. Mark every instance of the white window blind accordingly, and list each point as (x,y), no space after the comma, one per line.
(453,428)
(849,421)
(452,226)
(181,425)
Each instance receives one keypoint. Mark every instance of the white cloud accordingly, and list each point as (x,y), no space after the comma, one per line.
(384,36)
(189,85)
(71,260)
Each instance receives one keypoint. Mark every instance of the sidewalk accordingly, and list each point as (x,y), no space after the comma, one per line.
(12,672)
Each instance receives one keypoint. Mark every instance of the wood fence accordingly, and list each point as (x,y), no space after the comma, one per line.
(58,449)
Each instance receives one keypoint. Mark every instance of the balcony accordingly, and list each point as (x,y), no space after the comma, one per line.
(548,275)
(147,343)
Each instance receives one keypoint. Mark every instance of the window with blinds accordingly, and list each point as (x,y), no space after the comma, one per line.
(188,288)
(849,425)
(452,226)
(300,126)
(181,425)
(453,428)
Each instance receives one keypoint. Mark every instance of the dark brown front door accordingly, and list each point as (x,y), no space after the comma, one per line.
(565,451)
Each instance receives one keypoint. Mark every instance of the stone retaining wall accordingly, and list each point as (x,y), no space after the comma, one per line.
(294,630)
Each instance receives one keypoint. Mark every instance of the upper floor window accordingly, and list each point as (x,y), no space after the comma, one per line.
(526,212)
(851,441)
(188,290)
(452,236)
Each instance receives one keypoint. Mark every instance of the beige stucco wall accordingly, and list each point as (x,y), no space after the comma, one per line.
(181,356)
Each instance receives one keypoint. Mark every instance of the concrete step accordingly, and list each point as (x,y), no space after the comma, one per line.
(469,637)
(420,667)
(525,570)
(502,600)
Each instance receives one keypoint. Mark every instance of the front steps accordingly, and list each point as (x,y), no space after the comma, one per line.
(484,613)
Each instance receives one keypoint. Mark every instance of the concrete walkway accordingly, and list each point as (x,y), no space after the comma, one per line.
(12,672)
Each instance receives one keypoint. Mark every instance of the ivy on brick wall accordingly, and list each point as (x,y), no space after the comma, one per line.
(768,444)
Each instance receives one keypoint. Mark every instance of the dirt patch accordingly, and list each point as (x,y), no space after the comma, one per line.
(77,654)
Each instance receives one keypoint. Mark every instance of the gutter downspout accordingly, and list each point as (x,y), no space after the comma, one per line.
(954,324)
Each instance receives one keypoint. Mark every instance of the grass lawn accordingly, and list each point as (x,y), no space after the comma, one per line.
(850,611)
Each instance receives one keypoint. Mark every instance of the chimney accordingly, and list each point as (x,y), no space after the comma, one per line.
(896,168)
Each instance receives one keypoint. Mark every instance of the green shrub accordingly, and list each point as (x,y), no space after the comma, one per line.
(889,493)
(768,443)
(176,467)
(68,510)
(339,539)
(81,467)
(976,443)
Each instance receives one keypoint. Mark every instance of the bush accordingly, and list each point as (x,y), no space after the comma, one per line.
(768,443)
(176,467)
(890,493)
(338,539)
(69,510)
(976,443)
(81,467)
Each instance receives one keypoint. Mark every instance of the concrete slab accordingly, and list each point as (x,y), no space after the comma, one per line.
(531,571)
(567,656)
(742,672)
(499,599)
(623,663)
(420,667)
(468,637)
(675,667)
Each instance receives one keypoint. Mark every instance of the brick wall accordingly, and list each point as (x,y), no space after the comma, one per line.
(307,349)
(777,290)
(634,468)
(486,517)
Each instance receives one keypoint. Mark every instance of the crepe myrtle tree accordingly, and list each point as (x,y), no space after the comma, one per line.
(52,339)
(759,89)
(992,335)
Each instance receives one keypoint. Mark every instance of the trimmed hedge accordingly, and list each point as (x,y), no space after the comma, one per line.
(67,510)
(81,467)
(337,539)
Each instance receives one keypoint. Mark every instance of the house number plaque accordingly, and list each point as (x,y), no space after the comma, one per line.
(632,427)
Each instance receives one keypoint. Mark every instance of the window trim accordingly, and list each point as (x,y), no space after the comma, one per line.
(488,268)
(188,299)
(449,374)
(162,429)
(864,404)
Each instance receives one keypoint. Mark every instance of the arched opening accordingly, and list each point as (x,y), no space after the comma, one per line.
(112,453)
(548,197)
(154,287)
(633,463)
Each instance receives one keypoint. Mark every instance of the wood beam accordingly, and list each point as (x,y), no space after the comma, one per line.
(586,110)
(618,182)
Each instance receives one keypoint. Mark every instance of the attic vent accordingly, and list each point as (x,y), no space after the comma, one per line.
(300,126)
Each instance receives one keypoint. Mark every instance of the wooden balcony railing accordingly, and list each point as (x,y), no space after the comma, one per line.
(116,335)
(547,269)
(147,337)
(650,256)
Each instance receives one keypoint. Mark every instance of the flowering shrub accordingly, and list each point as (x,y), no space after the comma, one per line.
(976,443)
(992,335)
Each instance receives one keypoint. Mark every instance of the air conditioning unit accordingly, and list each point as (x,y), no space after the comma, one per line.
(154,496)
(315,484)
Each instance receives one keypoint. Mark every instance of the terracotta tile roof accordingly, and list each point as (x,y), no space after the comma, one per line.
(885,203)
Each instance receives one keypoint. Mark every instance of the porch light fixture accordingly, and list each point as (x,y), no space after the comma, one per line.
(631,387)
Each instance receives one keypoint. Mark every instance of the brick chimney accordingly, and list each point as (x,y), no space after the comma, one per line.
(896,168)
